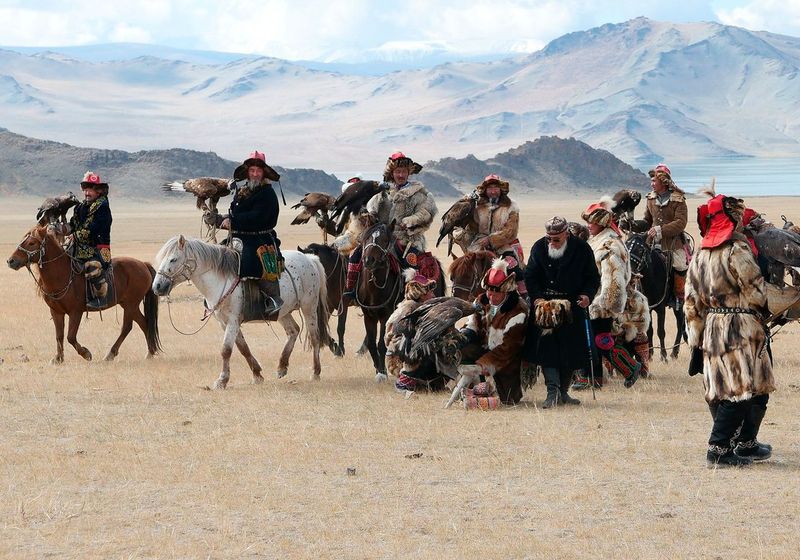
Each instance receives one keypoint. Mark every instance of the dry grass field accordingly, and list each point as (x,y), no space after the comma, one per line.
(137,459)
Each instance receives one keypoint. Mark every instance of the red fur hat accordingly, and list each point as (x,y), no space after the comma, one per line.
(718,218)
(498,278)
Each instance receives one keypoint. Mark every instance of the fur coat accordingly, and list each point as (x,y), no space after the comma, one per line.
(500,223)
(736,363)
(613,262)
(501,335)
(635,319)
(413,208)
(394,363)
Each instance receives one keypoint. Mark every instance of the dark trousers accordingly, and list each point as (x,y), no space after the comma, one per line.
(557,380)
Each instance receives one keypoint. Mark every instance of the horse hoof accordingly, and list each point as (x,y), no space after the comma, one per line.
(86,355)
(220,384)
(381,377)
(109,357)
(57,361)
(258,379)
(315,377)
(281,374)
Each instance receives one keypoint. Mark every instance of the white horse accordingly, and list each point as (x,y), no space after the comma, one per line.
(214,270)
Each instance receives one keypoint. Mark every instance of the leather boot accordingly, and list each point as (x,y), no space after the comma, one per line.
(272,296)
(565,379)
(99,287)
(746,444)
(725,457)
(553,383)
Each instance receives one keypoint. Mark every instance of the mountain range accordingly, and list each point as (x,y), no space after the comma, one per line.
(643,90)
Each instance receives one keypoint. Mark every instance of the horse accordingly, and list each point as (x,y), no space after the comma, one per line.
(657,285)
(466,273)
(214,270)
(380,288)
(62,285)
(335,266)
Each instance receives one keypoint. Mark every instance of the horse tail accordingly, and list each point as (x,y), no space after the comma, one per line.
(323,313)
(151,315)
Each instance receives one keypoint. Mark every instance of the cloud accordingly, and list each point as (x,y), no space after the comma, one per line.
(771,15)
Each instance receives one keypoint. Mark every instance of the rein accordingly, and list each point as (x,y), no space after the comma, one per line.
(396,287)
(41,261)
(464,287)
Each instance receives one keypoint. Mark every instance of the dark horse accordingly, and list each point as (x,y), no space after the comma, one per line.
(466,273)
(380,289)
(62,285)
(657,285)
(335,266)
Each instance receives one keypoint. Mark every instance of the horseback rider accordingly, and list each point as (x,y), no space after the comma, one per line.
(665,219)
(252,218)
(613,262)
(406,203)
(91,231)
(496,226)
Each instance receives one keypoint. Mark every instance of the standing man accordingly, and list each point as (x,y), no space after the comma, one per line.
(726,302)
(665,219)
(562,279)
(612,260)
(91,230)
(409,205)
(252,218)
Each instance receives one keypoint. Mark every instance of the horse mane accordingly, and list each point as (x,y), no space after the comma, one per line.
(463,264)
(223,258)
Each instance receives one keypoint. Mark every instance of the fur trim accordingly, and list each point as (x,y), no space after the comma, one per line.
(409,274)
(500,264)
(607,202)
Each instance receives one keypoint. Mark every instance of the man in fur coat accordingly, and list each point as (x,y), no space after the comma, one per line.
(613,262)
(725,306)
(562,278)
(665,219)
(496,226)
(408,204)
(496,335)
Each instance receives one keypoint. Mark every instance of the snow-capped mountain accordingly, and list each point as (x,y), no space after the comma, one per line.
(642,89)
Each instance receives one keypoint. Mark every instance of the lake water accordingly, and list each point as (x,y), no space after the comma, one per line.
(734,176)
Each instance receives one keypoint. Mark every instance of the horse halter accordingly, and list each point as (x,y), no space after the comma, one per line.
(638,259)
(184,273)
(476,278)
(40,262)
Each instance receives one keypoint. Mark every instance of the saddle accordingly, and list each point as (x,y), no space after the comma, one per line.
(96,302)
(254,303)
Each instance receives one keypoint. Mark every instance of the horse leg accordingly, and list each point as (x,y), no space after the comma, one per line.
(232,330)
(72,336)
(127,325)
(340,325)
(382,348)
(680,324)
(364,348)
(371,326)
(255,367)
(661,314)
(292,332)
(58,321)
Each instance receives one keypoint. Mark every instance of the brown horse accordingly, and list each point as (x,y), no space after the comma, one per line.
(466,273)
(62,285)
(335,266)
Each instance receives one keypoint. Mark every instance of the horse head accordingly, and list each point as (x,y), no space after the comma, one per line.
(377,243)
(640,252)
(31,249)
(174,266)
(466,273)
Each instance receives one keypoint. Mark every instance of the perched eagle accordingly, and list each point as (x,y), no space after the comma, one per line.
(353,199)
(578,230)
(55,209)
(314,204)
(781,247)
(458,215)
(208,190)
(625,201)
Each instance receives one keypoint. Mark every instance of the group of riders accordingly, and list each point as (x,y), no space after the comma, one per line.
(571,310)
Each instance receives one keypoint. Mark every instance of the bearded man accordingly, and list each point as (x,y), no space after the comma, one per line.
(562,279)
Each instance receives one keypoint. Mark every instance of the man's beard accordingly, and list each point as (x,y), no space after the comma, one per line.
(252,184)
(554,253)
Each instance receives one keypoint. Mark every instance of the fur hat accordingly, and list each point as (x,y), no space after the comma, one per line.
(601,213)
(556,225)
(418,286)
(350,181)
(91,180)
(498,278)
(260,160)
(662,173)
(490,180)
(719,217)
(399,159)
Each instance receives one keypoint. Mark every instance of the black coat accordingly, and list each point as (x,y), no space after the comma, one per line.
(253,218)
(91,228)
(569,277)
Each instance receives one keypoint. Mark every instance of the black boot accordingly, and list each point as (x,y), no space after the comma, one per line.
(99,291)
(746,443)
(272,296)
(753,450)
(725,457)
(565,380)
(552,380)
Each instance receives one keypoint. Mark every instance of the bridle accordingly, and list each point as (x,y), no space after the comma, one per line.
(475,282)
(41,261)
(184,273)
(385,255)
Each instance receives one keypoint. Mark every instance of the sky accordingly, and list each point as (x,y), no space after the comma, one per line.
(326,29)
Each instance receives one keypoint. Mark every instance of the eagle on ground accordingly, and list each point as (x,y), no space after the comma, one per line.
(207,190)
(458,215)
(55,209)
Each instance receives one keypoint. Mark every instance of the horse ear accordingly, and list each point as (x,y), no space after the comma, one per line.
(181,242)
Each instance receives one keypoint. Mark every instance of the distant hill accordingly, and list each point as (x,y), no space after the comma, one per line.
(546,165)
(41,167)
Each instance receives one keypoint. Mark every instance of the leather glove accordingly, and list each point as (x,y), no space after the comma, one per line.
(212,219)
(696,361)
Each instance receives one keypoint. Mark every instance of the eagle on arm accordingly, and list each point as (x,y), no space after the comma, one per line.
(207,190)
(54,209)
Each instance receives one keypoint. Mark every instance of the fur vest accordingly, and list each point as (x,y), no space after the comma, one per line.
(412,207)
(720,284)
(500,223)
(613,262)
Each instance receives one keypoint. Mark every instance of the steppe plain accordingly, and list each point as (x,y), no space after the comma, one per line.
(137,459)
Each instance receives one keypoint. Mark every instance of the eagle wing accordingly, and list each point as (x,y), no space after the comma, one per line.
(440,318)
(205,189)
(779,245)
(55,207)
(458,215)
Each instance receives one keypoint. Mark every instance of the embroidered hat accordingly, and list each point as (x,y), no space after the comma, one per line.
(91,180)
(260,160)
(556,225)
(600,213)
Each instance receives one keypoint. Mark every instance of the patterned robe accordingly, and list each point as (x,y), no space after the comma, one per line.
(725,297)
(91,228)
